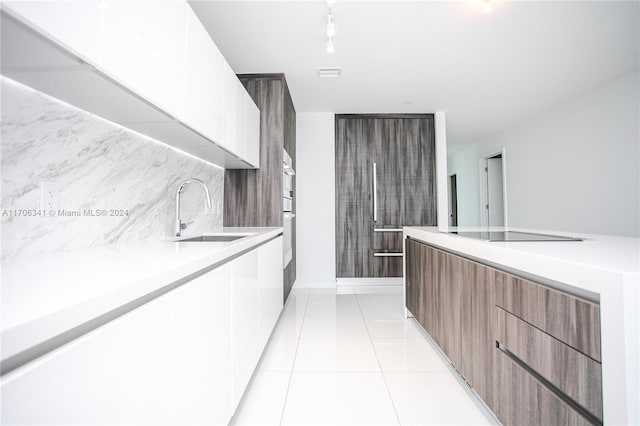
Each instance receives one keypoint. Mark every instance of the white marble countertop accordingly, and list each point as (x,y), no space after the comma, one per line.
(603,268)
(45,296)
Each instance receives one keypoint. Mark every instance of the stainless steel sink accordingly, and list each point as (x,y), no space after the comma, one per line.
(212,238)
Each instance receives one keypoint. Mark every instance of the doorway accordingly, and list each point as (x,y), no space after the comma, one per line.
(493,191)
(453,200)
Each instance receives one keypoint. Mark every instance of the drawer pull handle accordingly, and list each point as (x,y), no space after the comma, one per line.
(388,254)
(550,386)
(387,230)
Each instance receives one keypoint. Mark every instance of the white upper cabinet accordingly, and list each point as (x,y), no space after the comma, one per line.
(204,82)
(241,120)
(144,47)
(76,25)
(231,101)
(129,60)
(252,132)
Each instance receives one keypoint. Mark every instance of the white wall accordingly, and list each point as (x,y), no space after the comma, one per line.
(573,168)
(465,166)
(315,192)
(441,170)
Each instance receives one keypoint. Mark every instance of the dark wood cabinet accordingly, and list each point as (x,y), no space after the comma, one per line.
(570,319)
(452,298)
(254,197)
(529,351)
(523,400)
(385,179)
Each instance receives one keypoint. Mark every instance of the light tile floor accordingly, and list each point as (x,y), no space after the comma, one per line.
(348,356)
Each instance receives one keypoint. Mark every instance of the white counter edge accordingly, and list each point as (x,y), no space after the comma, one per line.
(28,341)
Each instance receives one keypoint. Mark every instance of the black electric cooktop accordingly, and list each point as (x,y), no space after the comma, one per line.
(511,236)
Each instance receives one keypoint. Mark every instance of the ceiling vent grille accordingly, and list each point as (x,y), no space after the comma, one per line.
(332,72)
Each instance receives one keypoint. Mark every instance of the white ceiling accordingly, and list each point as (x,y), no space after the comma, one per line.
(487,71)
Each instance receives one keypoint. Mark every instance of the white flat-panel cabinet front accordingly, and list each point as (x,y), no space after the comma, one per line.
(270,288)
(252,132)
(164,363)
(144,48)
(204,82)
(77,25)
(240,110)
(245,302)
(231,101)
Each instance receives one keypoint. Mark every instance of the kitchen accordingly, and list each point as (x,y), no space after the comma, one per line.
(116,108)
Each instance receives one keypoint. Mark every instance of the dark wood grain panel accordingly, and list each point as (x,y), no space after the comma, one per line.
(403,149)
(404,153)
(354,212)
(572,320)
(421,285)
(575,374)
(391,241)
(478,326)
(385,266)
(524,401)
(254,197)
(450,269)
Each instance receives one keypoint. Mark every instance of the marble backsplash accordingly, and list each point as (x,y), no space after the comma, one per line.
(95,165)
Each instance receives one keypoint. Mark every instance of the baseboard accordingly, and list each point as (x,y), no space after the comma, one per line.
(369,281)
(317,284)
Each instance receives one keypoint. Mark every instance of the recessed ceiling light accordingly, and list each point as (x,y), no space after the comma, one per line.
(329,72)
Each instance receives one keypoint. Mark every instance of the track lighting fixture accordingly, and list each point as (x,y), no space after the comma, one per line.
(331,29)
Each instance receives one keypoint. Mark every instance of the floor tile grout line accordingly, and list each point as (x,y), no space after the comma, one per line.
(384,379)
(295,355)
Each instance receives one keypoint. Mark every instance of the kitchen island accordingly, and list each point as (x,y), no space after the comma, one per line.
(599,273)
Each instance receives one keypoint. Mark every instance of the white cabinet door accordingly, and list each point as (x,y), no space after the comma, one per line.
(166,362)
(257,303)
(252,132)
(245,319)
(231,101)
(242,96)
(144,48)
(75,25)
(204,82)
(270,288)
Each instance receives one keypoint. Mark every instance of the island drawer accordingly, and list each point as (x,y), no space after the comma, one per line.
(573,374)
(523,400)
(568,318)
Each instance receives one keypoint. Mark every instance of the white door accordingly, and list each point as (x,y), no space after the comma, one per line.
(495,196)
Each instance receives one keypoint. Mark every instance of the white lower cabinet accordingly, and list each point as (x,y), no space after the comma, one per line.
(182,358)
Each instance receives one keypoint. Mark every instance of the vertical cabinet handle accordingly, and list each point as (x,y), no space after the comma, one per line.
(375,190)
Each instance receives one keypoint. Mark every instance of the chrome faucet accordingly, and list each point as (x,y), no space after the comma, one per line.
(207,198)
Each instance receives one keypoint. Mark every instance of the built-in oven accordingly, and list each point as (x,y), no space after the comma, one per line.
(287,208)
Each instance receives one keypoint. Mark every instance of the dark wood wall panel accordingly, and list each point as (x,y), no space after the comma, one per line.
(354,213)
(403,149)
